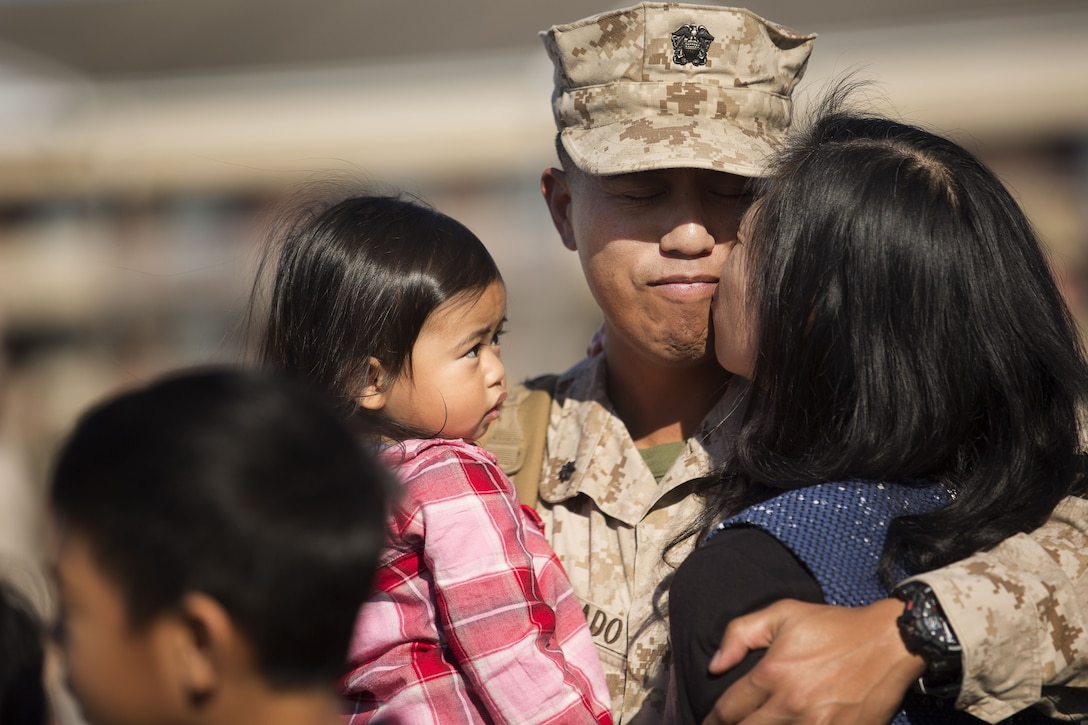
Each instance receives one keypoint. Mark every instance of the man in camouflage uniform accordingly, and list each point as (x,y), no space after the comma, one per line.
(663,110)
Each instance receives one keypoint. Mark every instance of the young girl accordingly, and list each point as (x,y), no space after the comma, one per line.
(918,385)
(396,311)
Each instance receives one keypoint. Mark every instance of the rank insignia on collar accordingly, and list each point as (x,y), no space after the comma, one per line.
(566,472)
(690,43)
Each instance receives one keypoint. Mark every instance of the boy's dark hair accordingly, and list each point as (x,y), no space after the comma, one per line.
(908,328)
(241,486)
(356,279)
(22,659)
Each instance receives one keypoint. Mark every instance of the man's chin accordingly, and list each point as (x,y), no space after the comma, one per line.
(687,350)
(680,354)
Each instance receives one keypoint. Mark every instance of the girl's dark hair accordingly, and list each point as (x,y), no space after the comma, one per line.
(239,485)
(356,279)
(908,329)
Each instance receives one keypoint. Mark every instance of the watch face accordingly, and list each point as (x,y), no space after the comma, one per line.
(926,632)
(932,628)
(926,627)
(933,622)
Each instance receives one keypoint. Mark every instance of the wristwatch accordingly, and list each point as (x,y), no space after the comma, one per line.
(927,633)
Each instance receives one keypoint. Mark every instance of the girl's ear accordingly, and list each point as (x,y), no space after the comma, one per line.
(372,395)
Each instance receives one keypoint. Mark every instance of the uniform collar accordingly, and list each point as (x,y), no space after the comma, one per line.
(590,451)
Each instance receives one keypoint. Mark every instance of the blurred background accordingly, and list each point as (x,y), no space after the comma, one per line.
(141,139)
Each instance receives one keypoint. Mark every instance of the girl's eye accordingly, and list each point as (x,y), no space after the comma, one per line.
(494,342)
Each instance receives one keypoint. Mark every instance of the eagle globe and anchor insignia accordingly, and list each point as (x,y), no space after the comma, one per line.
(690,43)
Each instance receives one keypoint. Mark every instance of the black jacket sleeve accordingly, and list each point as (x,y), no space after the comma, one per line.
(740,570)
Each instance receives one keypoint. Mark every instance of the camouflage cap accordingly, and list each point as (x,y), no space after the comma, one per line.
(665,85)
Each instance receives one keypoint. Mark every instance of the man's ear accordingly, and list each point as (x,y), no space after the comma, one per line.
(205,645)
(372,395)
(555,186)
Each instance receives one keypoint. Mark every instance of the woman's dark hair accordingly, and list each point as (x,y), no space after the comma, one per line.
(356,279)
(908,329)
(242,486)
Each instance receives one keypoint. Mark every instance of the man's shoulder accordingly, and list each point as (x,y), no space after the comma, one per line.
(518,439)
(555,384)
(526,388)
(548,386)
(524,415)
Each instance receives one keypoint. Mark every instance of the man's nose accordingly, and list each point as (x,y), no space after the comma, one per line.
(688,238)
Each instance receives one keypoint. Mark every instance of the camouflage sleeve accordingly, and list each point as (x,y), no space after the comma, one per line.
(1020,612)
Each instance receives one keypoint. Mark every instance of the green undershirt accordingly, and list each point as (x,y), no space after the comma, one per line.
(659,459)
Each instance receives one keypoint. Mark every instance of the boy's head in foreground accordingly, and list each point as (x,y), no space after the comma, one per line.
(214,537)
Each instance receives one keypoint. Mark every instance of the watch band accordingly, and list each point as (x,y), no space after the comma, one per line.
(927,633)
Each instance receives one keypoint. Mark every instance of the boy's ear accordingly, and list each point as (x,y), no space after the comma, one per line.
(372,394)
(204,647)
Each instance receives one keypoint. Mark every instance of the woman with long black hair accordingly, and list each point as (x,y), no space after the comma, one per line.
(918,390)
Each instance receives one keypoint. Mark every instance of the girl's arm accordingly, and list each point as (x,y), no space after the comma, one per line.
(492,610)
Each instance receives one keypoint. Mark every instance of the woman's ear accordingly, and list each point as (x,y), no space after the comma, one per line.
(372,395)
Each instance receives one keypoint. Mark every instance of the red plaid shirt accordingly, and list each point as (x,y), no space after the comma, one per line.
(473,619)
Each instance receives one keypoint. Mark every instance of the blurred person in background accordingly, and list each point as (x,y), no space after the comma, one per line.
(22,559)
(28,599)
(23,699)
